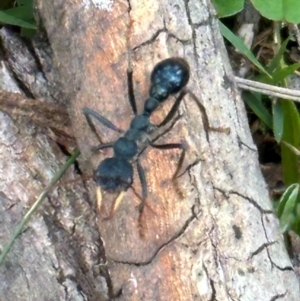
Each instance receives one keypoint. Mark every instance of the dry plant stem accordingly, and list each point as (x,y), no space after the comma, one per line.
(268,89)
(17,231)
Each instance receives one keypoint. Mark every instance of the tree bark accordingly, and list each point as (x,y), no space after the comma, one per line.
(220,239)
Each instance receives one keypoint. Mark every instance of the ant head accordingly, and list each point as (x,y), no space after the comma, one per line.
(170,76)
(114,174)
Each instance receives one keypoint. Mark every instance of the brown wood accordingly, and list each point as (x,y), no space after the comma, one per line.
(43,113)
(221,241)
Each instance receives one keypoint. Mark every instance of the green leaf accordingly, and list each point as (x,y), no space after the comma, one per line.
(291,135)
(9,19)
(278,121)
(240,46)
(287,207)
(228,8)
(275,63)
(296,226)
(258,108)
(21,16)
(280,75)
(292,189)
(24,13)
(279,10)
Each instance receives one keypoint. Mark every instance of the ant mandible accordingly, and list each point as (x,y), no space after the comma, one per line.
(115,174)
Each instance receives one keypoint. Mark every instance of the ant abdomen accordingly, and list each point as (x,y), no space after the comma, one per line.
(169,77)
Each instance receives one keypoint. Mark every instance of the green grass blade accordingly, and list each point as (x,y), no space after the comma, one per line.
(19,228)
(278,121)
(275,63)
(285,197)
(291,134)
(240,46)
(279,75)
(288,206)
(258,108)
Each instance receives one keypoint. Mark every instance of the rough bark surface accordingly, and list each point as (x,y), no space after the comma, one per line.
(219,241)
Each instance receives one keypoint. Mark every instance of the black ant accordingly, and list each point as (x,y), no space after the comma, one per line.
(115,174)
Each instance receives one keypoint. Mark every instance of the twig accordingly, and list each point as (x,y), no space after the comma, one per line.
(268,89)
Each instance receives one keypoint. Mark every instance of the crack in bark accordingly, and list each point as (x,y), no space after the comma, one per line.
(151,40)
(265,246)
(212,285)
(180,232)
(157,33)
(261,248)
(183,42)
(251,201)
(214,293)
(287,268)
(266,236)
(65,288)
(278,297)
(129,7)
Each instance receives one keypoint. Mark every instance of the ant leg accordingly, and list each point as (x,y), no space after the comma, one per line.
(200,106)
(182,147)
(143,181)
(88,113)
(131,91)
(205,121)
(174,108)
(102,146)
